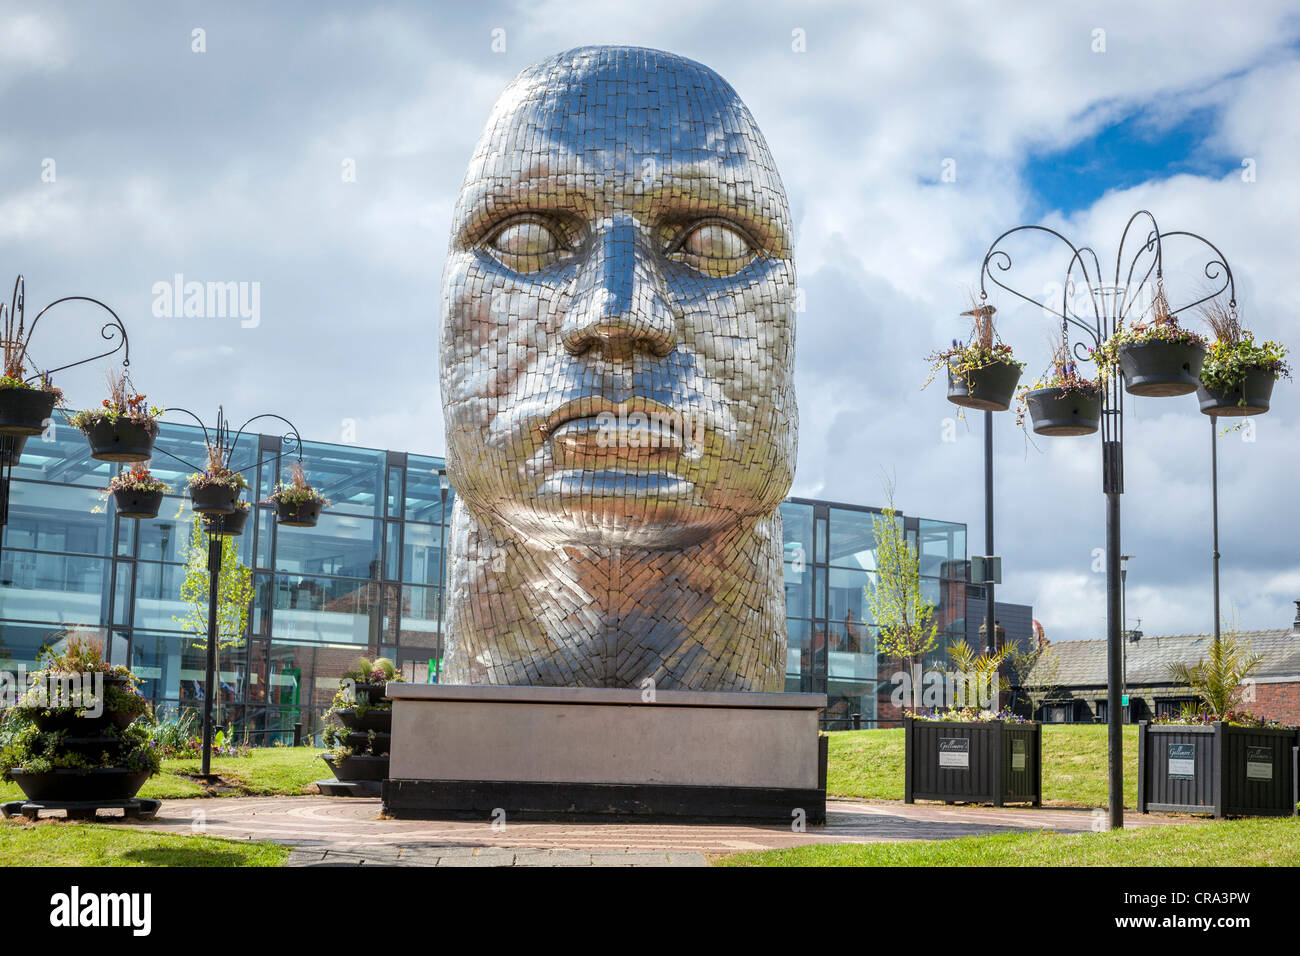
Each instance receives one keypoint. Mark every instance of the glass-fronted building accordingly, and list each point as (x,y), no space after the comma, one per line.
(366,581)
(830,560)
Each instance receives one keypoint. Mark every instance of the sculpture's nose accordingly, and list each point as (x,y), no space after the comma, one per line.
(620,304)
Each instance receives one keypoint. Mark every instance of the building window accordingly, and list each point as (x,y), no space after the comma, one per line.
(1058,711)
(1173,706)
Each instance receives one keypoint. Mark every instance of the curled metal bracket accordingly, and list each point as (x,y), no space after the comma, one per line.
(220,438)
(19,335)
(1111,306)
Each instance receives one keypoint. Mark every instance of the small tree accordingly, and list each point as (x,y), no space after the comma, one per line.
(234,599)
(905,618)
(1217,679)
(1021,664)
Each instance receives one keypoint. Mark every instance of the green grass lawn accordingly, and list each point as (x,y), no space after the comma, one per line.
(862,763)
(1256,842)
(869,763)
(89,844)
(268,771)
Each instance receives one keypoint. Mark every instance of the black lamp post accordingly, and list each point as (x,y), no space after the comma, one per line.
(220,441)
(985,569)
(1110,306)
(1248,405)
(1123,613)
(990,623)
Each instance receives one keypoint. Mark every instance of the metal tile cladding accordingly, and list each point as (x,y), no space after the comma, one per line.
(617,359)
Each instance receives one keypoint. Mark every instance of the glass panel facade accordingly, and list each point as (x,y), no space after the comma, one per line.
(366,581)
(69,566)
(830,561)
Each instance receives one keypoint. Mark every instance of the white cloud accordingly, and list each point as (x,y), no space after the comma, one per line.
(226,166)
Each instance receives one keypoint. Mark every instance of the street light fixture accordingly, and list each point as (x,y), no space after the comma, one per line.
(1109,306)
(220,439)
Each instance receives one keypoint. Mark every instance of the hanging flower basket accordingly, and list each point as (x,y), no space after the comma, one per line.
(300,515)
(137,504)
(1161,369)
(25,410)
(26,401)
(137,493)
(1250,396)
(231,524)
(983,373)
(988,387)
(1158,358)
(297,504)
(216,490)
(1238,375)
(124,428)
(120,441)
(1062,412)
(217,498)
(1062,402)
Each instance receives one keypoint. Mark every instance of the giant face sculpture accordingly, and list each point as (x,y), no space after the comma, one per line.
(617,351)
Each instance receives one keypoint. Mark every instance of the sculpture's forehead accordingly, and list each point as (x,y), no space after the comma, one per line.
(619,117)
(625,108)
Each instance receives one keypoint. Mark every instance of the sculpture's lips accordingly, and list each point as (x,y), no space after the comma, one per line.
(595,432)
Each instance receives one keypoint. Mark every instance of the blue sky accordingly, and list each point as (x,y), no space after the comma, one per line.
(1123,155)
(226,165)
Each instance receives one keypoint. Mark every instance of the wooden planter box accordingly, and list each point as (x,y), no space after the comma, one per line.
(978,762)
(1217,769)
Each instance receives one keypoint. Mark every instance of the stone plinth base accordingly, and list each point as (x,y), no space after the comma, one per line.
(477,751)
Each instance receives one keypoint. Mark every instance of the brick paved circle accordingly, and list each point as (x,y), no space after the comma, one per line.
(338,831)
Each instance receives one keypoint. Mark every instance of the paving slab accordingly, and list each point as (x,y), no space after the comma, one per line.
(324,831)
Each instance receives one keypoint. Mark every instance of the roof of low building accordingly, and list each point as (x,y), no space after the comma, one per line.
(1083,663)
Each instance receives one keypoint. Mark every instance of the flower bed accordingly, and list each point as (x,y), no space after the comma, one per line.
(995,760)
(1218,768)
(80,732)
(358,728)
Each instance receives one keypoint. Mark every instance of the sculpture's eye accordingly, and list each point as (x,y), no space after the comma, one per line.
(714,247)
(528,244)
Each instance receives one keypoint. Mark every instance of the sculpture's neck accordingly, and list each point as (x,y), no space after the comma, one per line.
(707,617)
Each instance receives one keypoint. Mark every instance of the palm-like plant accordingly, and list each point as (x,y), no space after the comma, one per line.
(978,672)
(1217,679)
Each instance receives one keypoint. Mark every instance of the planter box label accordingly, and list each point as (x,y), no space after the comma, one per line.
(1018,754)
(1182,761)
(1259,763)
(954,753)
